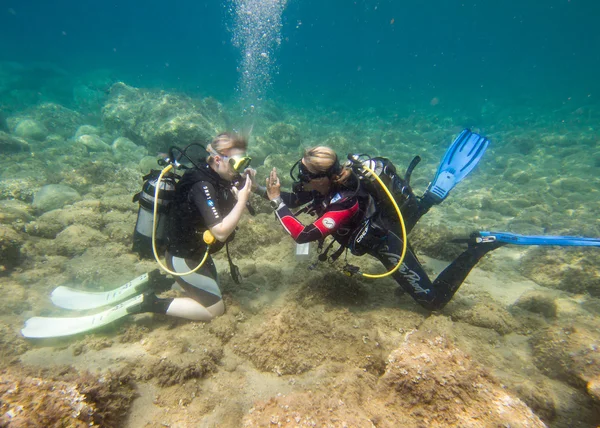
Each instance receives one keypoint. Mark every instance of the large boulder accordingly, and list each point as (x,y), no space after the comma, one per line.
(126,150)
(10,243)
(425,383)
(31,130)
(10,144)
(574,269)
(76,239)
(54,196)
(93,143)
(50,118)
(13,211)
(159,120)
(570,353)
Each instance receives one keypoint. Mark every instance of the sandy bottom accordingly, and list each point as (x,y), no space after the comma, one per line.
(315,348)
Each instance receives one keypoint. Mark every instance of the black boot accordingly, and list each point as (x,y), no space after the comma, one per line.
(151,303)
(159,282)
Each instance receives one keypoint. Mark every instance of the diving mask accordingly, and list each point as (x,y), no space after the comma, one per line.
(238,162)
(300,173)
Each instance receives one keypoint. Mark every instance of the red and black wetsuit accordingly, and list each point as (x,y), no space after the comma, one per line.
(342,214)
(339,214)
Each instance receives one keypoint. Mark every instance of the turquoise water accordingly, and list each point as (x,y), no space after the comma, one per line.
(356,53)
(91,92)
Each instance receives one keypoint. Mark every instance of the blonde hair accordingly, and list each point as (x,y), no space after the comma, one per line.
(224,142)
(321,158)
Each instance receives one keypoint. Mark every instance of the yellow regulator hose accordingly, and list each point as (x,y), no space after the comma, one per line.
(404,240)
(208,237)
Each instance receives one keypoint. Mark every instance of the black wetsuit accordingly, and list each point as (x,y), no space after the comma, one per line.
(381,237)
(202,200)
(411,276)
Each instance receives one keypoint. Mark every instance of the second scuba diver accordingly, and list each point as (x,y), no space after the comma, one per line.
(356,221)
(204,200)
(202,211)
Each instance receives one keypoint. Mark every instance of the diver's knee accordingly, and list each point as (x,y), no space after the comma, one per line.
(217,309)
(185,307)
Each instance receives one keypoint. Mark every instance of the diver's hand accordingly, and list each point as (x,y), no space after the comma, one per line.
(250,172)
(273,185)
(243,194)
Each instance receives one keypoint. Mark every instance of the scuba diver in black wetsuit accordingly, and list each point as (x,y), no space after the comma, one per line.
(204,200)
(189,217)
(348,212)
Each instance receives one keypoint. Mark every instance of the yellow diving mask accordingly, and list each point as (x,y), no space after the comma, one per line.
(238,162)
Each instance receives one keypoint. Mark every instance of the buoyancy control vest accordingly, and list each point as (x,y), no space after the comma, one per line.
(179,224)
(186,223)
(379,179)
(398,186)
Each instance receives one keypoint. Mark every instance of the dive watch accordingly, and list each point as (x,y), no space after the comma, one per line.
(275,203)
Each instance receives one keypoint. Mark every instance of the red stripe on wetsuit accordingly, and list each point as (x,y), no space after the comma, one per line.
(325,225)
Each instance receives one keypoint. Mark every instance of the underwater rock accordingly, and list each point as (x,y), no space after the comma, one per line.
(22,189)
(75,239)
(567,185)
(332,288)
(118,226)
(569,352)
(342,145)
(54,118)
(93,143)
(15,301)
(126,150)
(538,302)
(148,163)
(437,242)
(280,138)
(425,383)
(260,150)
(487,315)
(10,144)
(10,244)
(11,345)
(86,130)
(30,129)
(292,340)
(570,269)
(284,136)
(257,234)
(51,223)
(593,388)
(14,211)
(64,399)
(159,120)
(91,95)
(102,268)
(54,196)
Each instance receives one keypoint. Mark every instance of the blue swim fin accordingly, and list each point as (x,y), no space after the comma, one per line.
(515,239)
(459,160)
